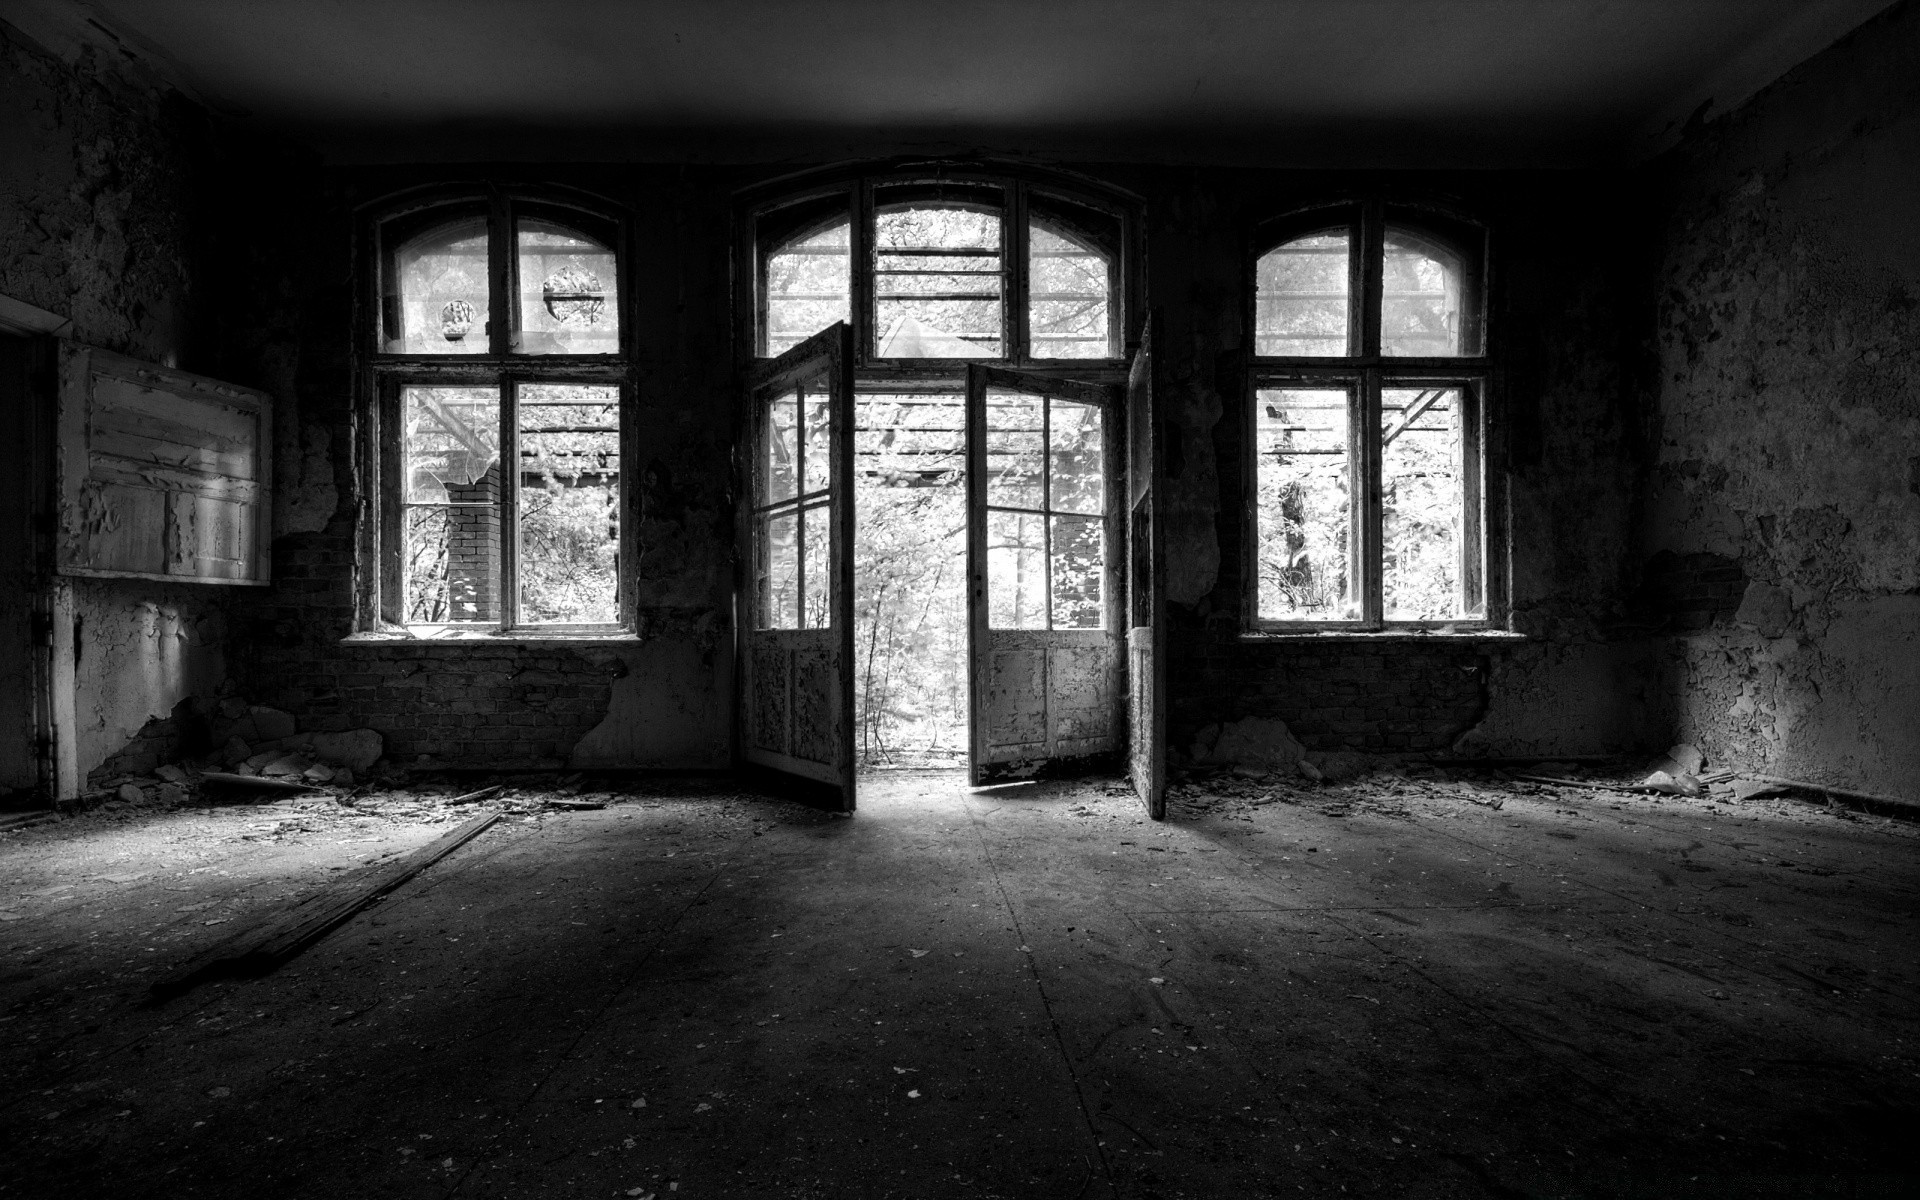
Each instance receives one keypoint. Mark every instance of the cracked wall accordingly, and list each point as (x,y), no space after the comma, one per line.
(103,178)
(1786,436)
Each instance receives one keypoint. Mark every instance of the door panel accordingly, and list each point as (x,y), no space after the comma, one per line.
(1042,605)
(1146,590)
(795,612)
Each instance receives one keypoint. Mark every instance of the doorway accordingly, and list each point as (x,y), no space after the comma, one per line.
(910,575)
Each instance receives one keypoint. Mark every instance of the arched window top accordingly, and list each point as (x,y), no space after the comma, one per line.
(930,270)
(559,291)
(1302,295)
(1426,271)
(1421,296)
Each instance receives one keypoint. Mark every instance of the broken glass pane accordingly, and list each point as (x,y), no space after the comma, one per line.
(1016,570)
(439,300)
(1420,302)
(1016,449)
(1068,296)
(450,454)
(1422,503)
(1303,513)
(816,612)
(569,504)
(1075,457)
(779,569)
(569,292)
(780,462)
(937,282)
(1078,560)
(1301,296)
(817,466)
(807,287)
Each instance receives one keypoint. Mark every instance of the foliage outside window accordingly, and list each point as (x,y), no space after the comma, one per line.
(501,382)
(1368,424)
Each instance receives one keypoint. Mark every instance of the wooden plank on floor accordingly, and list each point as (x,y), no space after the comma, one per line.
(267,945)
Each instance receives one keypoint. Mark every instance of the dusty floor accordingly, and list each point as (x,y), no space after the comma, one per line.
(1386,988)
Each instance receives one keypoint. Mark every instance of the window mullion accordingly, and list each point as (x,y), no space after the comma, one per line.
(860,273)
(509,504)
(1371,289)
(1046,505)
(1366,437)
(1015,285)
(501,320)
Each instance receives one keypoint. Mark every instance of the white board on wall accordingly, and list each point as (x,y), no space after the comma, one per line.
(161,474)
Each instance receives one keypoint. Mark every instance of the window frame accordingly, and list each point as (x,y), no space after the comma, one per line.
(380,592)
(769,216)
(1368,373)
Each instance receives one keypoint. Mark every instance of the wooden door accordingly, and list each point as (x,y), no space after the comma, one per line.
(796,606)
(1043,613)
(1146,590)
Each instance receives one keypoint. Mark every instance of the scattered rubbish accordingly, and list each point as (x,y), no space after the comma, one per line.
(913,1093)
(1681,784)
(701,1107)
(1309,771)
(131,794)
(575,805)
(640,1103)
(917,953)
(171,773)
(1156,979)
(256,781)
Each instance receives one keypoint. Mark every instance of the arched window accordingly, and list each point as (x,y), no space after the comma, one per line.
(1369,398)
(499,386)
(929,271)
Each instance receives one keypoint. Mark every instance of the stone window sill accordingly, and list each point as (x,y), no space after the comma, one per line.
(1376,636)
(529,637)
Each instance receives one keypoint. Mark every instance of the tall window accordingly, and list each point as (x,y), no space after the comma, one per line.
(500,375)
(930,271)
(1368,391)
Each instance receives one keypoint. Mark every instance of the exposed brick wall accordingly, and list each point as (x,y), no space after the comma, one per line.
(1385,697)
(473,548)
(1692,591)
(458,703)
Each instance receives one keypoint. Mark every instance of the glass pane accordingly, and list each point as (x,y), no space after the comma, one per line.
(1075,457)
(1300,297)
(1079,557)
(569,504)
(569,292)
(451,444)
(780,458)
(1421,503)
(1303,511)
(452,573)
(937,282)
(1420,300)
(778,559)
(1016,571)
(818,613)
(1016,449)
(441,281)
(1068,286)
(807,287)
(817,468)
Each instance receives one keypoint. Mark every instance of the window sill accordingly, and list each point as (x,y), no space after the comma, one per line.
(531,637)
(1456,636)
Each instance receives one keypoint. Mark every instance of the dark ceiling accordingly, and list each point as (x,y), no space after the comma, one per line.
(1355,82)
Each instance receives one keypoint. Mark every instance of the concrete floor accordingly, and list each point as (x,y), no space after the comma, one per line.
(1390,988)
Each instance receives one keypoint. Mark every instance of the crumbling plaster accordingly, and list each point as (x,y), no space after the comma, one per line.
(103,177)
(1787,428)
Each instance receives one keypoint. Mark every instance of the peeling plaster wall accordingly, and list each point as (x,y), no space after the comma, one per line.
(102,220)
(1787,430)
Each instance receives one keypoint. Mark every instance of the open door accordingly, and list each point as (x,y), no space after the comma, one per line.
(795,610)
(1146,591)
(1043,613)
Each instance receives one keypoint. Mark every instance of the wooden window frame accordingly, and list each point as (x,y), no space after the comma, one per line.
(380,594)
(770,217)
(1367,373)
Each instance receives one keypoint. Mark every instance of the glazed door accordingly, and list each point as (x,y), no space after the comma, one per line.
(796,528)
(1146,592)
(1043,614)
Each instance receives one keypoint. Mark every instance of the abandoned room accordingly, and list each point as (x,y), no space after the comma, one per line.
(1266,598)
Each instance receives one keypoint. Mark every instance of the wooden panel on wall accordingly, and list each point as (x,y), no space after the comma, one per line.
(161,474)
